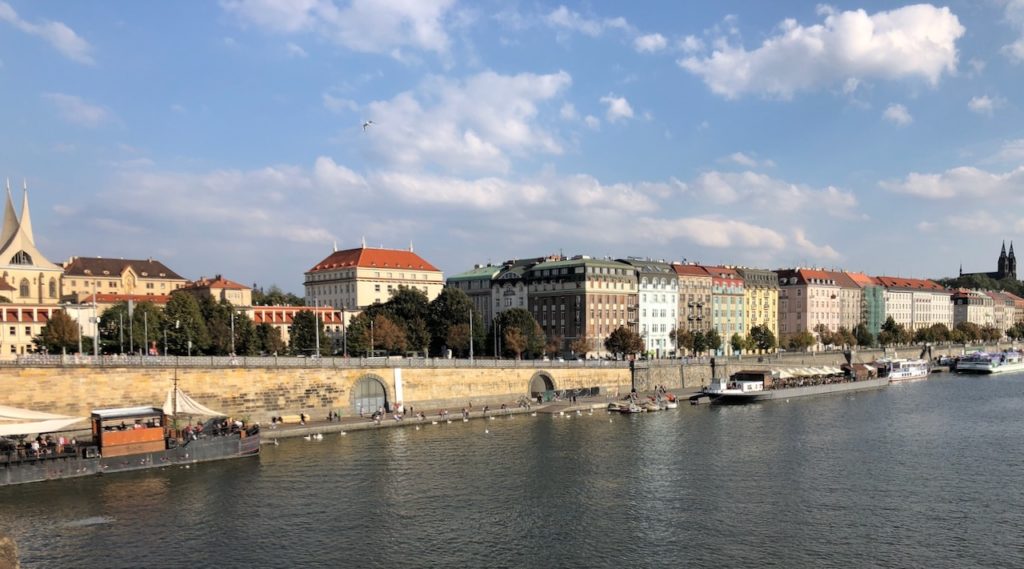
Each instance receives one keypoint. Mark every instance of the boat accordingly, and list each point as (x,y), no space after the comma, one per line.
(901,371)
(749,386)
(123,439)
(651,406)
(624,407)
(991,363)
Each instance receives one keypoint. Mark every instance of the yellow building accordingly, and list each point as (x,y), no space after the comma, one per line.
(221,289)
(760,299)
(356,278)
(84,276)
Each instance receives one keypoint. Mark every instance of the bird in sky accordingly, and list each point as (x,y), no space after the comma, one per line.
(367,125)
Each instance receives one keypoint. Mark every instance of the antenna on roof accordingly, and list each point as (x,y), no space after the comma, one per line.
(363,242)
(335,245)
(410,246)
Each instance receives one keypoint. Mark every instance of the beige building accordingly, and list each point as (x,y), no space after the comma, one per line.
(851,300)
(84,276)
(28,276)
(694,298)
(973,306)
(221,289)
(917,303)
(1004,311)
(356,278)
(807,298)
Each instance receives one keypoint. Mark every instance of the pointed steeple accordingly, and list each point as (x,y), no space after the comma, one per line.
(1011,248)
(10,218)
(26,219)
(961,269)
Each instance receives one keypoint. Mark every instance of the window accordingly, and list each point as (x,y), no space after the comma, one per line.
(28,330)
(376,288)
(13,330)
(23,288)
(53,288)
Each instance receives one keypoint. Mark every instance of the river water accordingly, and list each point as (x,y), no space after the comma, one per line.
(920,475)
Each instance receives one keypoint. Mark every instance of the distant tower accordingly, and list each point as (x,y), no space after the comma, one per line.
(1011,264)
(1001,267)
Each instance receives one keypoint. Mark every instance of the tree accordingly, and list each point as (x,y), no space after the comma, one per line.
(580,347)
(712,340)
(58,336)
(458,339)
(121,333)
(521,320)
(303,333)
(452,308)
(971,331)
(358,334)
(737,342)
(825,335)
(516,341)
(388,335)
(185,324)
(408,308)
(275,297)
(893,333)
(863,336)
(623,341)
(763,338)
(802,340)
(1016,332)
(553,346)
(683,339)
(990,333)
(700,341)
(268,340)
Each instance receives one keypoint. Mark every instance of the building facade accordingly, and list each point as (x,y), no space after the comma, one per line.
(658,295)
(973,306)
(872,304)
(28,277)
(582,298)
(694,298)
(221,290)
(476,283)
(760,299)
(807,298)
(917,303)
(727,304)
(281,318)
(356,278)
(1006,266)
(1003,311)
(84,276)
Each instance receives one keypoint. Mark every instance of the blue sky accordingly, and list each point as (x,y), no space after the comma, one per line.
(226,137)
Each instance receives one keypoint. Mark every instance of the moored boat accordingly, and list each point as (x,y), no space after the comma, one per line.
(760,385)
(123,439)
(991,363)
(900,371)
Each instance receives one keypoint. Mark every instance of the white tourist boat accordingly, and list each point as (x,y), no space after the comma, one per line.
(983,362)
(902,371)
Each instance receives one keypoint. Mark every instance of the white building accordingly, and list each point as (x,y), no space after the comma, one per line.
(917,303)
(658,302)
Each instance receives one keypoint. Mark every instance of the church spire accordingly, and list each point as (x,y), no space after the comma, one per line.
(10,218)
(26,219)
(1003,252)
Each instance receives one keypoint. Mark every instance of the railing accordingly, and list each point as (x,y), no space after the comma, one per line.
(43,360)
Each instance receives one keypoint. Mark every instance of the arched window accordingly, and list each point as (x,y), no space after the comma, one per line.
(53,288)
(21,258)
(23,288)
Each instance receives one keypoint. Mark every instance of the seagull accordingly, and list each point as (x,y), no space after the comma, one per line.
(367,124)
(308,437)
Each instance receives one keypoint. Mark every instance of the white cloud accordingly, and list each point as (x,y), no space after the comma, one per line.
(1015,17)
(916,41)
(984,105)
(482,194)
(964,181)
(747,161)
(1012,151)
(691,44)
(593,122)
(566,19)
(74,110)
(817,252)
(369,26)
(473,125)
(897,114)
(295,50)
(338,104)
(568,112)
(57,34)
(650,43)
(711,232)
(618,108)
(764,193)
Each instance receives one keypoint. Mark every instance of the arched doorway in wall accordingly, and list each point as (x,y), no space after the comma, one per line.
(368,395)
(541,384)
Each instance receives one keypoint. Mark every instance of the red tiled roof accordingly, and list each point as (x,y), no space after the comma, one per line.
(862,280)
(374,258)
(920,284)
(4,285)
(690,270)
(217,282)
(804,276)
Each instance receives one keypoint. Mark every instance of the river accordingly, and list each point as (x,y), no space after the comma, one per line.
(919,475)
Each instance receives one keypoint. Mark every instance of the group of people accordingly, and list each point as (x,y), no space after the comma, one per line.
(39,447)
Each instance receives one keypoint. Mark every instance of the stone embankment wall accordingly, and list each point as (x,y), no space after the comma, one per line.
(259,393)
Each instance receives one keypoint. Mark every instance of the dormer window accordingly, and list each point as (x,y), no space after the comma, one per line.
(21,258)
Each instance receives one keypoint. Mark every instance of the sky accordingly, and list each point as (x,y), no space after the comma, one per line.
(227,137)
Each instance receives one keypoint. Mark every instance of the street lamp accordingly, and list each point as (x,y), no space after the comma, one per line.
(471,334)
(372,350)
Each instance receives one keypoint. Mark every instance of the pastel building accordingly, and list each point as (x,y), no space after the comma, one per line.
(221,289)
(84,276)
(760,299)
(807,298)
(658,293)
(727,302)
(872,302)
(1003,310)
(973,306)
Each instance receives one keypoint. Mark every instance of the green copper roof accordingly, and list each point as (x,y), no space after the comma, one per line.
(486,272)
